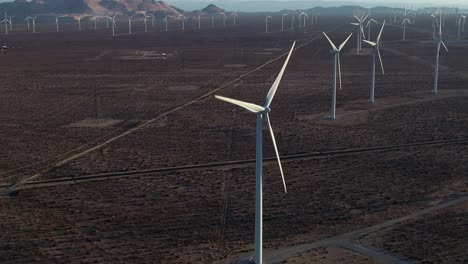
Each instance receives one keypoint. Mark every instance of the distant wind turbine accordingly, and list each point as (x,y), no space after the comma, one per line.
(262,113)
(166,20)
(57,22)
(266,23)
(375,49)
(234,16)
(336,62)
(6,21)
(282,22)
(406,20)
(360,34)
(436,66)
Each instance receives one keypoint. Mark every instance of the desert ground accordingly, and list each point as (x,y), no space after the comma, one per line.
(116,151)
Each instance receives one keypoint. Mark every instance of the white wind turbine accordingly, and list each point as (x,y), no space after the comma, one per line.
(11,22)
(6,21)
(282,22)
(145,21)
(266,23)
(302,19)
(224,19)
(336,62)
(183,22)
(57,22)
(112,19)
(368,26)
(292,22)
(375,49)
(462,17)
(436,66)
(79,22)
(27,21)
(166,20)
(234,16)
(262,112)
(360,34)
(406,20)
(434,25)
(130,23)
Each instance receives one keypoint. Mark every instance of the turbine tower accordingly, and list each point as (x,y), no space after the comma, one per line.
(375,49)
(262,113)
(406,20)
(266,23)
(336,62)
(282,22)
(234,16)
(57,22)
(436,66)
(360,34)
(165,20)
(27,21)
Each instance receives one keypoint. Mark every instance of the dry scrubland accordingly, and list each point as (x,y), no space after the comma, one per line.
(63,93)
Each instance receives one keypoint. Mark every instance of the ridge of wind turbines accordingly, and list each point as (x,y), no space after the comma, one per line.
(262,112)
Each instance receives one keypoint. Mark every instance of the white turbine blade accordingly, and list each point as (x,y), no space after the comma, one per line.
(362,31)
(370,42)
(380,33)
(357,18)
(443,44)
(344,42)
(339,69)
(356,24)
(380,59)
(375,21)
(276,151)
(274,87)
(331,43)
(364,19)
(367,24)
(251,107)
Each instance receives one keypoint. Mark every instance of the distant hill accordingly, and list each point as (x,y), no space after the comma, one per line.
(22,8)
(212,9)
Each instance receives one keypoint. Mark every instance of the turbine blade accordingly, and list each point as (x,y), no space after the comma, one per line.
(251,107)
(443,44)
(356,24)
(276,150)
(331,43)
(274,87)
(380,59)
(380,33)
(370,43)
(339,69)
(344,42)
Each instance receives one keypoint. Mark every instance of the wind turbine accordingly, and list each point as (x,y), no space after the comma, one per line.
(336,62)
(262,112)
(183,22)
(57,22)
(34,24)
(292,22)
(266,23)
(224,19)
(302,23)
(282,22)
(436,66)
(368,26)
(11,23)
(130,23)
(406,20)
(145,20)
(460,24)
(375,49)
(234,16)
(79,22)
(434,25)
(360,34)
(166,20)
(6,21)
(112,19)
(27,21)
